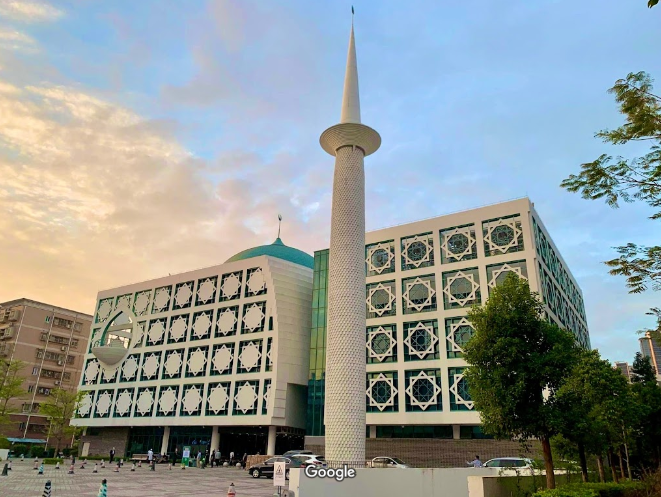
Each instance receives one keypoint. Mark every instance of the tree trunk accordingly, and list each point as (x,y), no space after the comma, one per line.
(611,463)
(621,460)
(600,466)
(548,462)
(626,453)
(584,462)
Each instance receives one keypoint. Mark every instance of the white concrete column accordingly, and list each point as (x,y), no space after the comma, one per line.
(166,440)
(215,438)
(270,446)
(456,432)
(373,431)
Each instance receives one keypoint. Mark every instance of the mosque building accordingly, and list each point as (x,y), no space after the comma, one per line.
(234,357)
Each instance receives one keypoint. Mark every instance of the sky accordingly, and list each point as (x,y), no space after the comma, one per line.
(144,138)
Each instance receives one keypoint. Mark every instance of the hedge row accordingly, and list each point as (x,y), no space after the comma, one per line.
(624,489)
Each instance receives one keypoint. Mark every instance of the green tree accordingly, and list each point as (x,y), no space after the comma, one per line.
(11,389)
(652,3)
(517,362)
(60,409)
(593,407)
(642,370)
(638,179)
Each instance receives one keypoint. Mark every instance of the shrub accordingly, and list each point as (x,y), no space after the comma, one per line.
(66,451)
(4,443)
(53,460)
(624,489)
(566,492)
(36,451)
(20,449)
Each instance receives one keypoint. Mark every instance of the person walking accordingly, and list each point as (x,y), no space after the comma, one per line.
(174,457)
(244,460)
(476,463)
(112,454)
(150,456)
(231,457)
(217,457)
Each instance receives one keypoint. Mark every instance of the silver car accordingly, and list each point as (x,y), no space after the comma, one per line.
(388,462)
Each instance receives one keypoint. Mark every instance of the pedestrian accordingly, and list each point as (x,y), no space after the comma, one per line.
(174,457)
(112,454)
(197,459)
(150,456)
(476,463)
(217,457)
(244,460)
(231,457)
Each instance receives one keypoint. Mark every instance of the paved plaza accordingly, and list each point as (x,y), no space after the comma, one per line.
(23,481)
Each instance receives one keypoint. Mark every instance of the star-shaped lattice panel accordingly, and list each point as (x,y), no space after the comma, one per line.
(458,244)
(85,406)
(460,399)
(103,403)
(91,373)
(221,361)
(422,391)
(167,401)
(380,299)
(196,364)
(496,274)
(141,303)
(419,294)
(458,331)
(104,309)
(206,290)
(144,403)
(382,392)
(130,368)
(172,364)
(461,288)
(418,251)
(124,302)
(150,365)
(381,343)
(191,400)
(178,328)
(230,286)
(420,340)
(161,302)
(255,282)
(502,236)
(183,295)
(380,258)
(245,397)
(265,396)
(226,321)
(254,317)
(249,356)
(201,327)
(123,403)
(218,399)
(156,332)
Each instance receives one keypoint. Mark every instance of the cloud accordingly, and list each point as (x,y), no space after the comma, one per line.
(94,196)
(11,39)
(27,11)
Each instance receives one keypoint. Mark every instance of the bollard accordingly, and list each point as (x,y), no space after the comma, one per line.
(116,470)
(96,468)
(139,464)
(103,489)
(121,462)
(36,464)
(170,466)
(41,469)
(22,457)
(231,492)
(103,463)
(4,470)
(57,465)
(47,489)
(70,472)
(133,467)
(9,462)
(153,466)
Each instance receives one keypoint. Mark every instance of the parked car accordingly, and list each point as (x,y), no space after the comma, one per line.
(388,462)
(296,452)
(266,468)
(310,459)
(508,462)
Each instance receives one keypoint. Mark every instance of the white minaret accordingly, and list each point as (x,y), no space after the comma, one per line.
(350,141)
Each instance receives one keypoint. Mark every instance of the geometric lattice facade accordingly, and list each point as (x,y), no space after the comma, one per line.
(202,348)
(422,278)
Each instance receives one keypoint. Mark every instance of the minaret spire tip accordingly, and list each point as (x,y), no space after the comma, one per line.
(279,224)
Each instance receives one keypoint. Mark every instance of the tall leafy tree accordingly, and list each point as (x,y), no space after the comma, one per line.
(642,370)
(646,395)
(593,407)
(11,389)
(628,180)
(517,362)
(60,409)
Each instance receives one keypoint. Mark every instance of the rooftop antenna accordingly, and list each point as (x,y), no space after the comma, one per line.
(279,223)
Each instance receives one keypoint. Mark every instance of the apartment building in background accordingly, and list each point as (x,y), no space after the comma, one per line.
(52,342)
(651,348)
(624,368)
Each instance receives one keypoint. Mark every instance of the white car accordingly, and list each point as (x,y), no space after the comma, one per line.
(511,465)
(388,462)
(308,459)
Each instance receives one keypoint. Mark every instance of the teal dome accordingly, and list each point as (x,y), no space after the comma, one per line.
(279,250)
